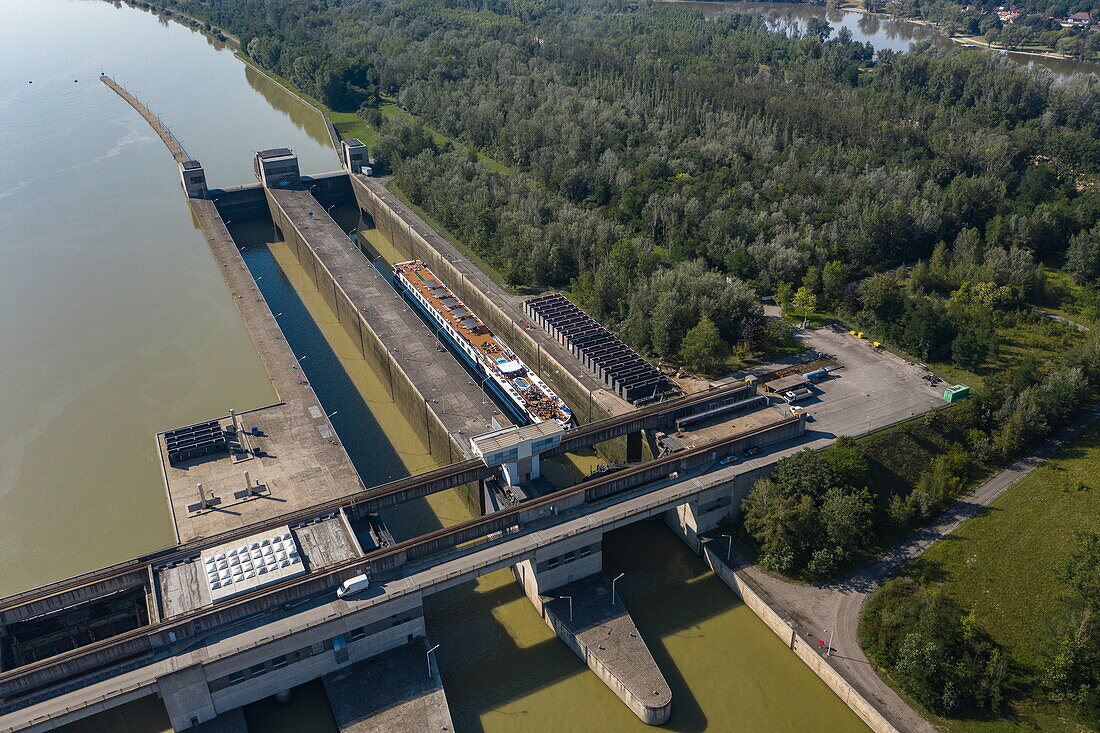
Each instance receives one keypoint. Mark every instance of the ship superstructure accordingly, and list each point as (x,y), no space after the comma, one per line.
(485,352)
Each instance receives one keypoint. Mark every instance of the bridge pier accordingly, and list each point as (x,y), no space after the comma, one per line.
(187,699)
(566,584)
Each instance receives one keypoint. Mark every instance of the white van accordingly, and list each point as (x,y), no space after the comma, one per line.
(353,585)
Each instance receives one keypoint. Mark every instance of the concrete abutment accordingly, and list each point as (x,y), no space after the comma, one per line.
(568,588)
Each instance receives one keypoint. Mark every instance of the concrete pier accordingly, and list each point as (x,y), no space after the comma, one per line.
(301,461)
(165,134)
(604,636)
(390,692)
(430,386)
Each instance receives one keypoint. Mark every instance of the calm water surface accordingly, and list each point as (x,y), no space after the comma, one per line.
(115,321)
(896,35)
(115,318)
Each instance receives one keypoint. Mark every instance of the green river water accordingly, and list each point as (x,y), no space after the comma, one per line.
(117,324)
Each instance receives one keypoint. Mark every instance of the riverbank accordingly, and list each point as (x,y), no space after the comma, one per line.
(857,6)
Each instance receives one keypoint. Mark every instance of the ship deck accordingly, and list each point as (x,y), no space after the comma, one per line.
(471,328)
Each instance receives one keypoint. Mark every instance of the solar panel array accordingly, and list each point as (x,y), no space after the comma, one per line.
(631,376)
(195,441)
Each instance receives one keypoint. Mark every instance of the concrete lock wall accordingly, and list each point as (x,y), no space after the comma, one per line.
(710,508)
(537,583)
(412,403)
(844,690)
(413,246)
(240,203)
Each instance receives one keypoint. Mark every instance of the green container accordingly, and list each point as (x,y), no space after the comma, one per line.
(956,393)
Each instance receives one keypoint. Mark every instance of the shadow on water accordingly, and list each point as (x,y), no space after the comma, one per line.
(505,670)
(496,652)
(308,710)
(374,458)
(372,454)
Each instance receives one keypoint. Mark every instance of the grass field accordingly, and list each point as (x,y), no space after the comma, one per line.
(1002,565)
(1069,299)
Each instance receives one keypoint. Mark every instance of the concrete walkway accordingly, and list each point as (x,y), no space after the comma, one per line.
(814,608)
(165,134)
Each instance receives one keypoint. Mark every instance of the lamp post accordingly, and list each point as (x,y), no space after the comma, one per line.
(428,656)
(829,649)
(729,545)
(613,582)
(570,599)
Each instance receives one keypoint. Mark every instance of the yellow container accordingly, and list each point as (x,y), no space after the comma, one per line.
(851,333)
(859,335)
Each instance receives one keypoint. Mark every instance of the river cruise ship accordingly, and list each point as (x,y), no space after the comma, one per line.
(485,352)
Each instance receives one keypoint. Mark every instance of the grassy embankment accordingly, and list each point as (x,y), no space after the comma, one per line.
(1002,565)
(1067,298)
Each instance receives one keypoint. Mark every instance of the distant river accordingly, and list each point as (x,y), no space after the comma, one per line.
(896,35)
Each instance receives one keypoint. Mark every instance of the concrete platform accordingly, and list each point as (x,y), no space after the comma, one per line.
(605,638)
(454,396)
(724,427)
(302,462)
(390,692)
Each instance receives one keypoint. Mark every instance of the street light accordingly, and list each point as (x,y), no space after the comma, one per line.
(613,582)
(570,599)
(729,545)
(829,650)
(428,656)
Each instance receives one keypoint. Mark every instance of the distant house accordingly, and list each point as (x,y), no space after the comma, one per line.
(1008,16)
(1081,18)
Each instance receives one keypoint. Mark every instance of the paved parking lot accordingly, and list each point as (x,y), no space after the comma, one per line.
(874,388)
(871,389)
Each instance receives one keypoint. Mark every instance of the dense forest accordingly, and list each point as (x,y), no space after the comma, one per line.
(666,167)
